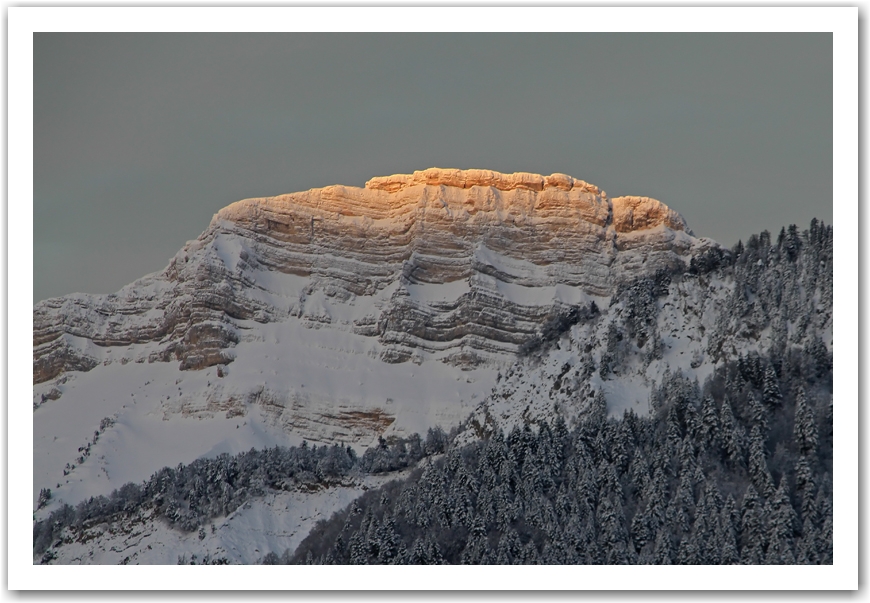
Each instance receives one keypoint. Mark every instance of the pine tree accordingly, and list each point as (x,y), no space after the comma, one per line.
(656,505)
(640,530)
(663,553)
(612,537)
(433,552)
(805,487)
(393,550)
(419,555)
(709,423)
(608,482)
(687,553)
(598,409)
(758,470)
(771,394)
(530,553)
(758,414)
(589,548)
(781,527)
(732,441)
(805,432)
(509,548)
(508,501)
(622,447)
(690,416)
(476,548)
(793,243)
(752,534)
(688,462)
(681,507)
(726,537)
(707,532)
(554,552)
(638,473)
(372,538)
(826,541)
(806,546)
(564,504)
(358,554)
(674,430)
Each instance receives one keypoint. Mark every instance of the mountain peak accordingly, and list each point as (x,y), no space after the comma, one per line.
(468,178)
(640,213)
(519,197)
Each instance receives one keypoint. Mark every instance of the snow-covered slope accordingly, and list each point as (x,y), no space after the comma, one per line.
(337,315)
(341,315)
(278,521)
(762,299)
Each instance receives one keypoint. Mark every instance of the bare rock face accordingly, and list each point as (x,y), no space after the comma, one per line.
(459,265)
(336,315)
(641,213)
(470,178)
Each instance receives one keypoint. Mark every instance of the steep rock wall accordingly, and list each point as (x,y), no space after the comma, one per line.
(459,264)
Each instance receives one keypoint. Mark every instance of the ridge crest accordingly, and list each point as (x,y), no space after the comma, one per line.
(474,177)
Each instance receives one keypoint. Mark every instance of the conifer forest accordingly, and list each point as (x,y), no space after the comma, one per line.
(733,468)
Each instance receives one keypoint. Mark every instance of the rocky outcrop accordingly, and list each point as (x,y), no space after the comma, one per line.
(470,178)
(641,213)
(461,266)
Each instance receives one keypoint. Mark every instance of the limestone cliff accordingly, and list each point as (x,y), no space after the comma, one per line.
(458,265)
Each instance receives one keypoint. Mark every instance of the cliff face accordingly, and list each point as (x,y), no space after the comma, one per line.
(336,315)
(460,266)
(467,299)
(309,331)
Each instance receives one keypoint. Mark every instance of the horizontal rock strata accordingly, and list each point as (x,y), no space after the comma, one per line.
(460,265)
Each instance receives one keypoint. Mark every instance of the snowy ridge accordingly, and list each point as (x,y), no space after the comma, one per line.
(257,336)
(764,300)
(337,314)
(277,521)
(345,314)
(332,251)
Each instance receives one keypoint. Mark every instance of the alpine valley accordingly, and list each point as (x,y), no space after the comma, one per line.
(450,366)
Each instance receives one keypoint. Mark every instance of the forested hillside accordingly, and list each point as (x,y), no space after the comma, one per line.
(732,468)
(188,496)
(735,472)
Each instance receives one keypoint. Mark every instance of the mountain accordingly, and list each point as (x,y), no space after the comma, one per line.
(469,300)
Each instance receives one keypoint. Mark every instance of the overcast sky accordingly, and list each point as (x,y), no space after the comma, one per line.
(140,138)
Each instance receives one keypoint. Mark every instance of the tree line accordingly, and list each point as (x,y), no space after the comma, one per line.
(188,496)
(736,471)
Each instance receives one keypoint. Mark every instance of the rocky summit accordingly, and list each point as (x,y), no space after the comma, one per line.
(342,313)
(460,266)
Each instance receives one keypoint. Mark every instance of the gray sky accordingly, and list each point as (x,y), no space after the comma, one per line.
(140,138)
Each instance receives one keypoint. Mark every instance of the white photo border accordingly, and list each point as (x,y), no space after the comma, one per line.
(22,22)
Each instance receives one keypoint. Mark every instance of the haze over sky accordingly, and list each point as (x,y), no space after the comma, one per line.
(140,138)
